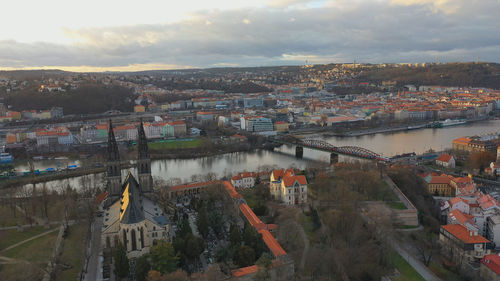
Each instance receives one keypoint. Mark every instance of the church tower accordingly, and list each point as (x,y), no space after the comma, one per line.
(113,169)
(144,162)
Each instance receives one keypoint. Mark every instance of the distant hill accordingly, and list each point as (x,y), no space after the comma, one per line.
(32,74)
(451,74)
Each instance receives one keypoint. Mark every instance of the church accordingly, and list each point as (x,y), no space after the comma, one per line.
(131,213)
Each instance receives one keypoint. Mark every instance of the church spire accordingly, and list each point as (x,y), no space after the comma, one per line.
(113,154)
(142,143)
(113,167)
(143,161)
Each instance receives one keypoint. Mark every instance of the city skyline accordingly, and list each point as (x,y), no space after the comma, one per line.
(123,36)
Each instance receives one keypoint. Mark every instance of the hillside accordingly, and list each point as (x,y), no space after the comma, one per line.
(84,100)
(452,74)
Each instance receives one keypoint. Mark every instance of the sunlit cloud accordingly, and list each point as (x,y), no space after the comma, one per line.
(268,33)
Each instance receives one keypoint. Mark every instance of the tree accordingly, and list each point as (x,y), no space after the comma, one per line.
(121,262)
(194,247)
(234,235)
(163,257)
(202,221)
(427,245)
(244,256)
(264,263)
(142,267)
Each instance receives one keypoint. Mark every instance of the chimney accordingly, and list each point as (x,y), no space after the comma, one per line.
(475,233)
(470,233)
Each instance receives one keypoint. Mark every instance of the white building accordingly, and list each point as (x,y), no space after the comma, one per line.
(244,180)
(446,160)
(287,187)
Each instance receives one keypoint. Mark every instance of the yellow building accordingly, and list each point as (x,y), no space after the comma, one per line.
(139,108)
(441,186)
(281,126)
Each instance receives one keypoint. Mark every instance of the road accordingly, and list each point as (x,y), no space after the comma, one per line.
(94,264)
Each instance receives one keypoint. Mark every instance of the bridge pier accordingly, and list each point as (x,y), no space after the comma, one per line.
(299,151)
(334,158)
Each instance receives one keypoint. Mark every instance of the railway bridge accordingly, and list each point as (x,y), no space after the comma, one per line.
(335,151)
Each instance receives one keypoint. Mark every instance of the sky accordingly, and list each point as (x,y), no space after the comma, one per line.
(125,35)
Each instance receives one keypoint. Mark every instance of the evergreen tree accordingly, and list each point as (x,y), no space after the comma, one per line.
(142,267)
(121,262)
(163,257)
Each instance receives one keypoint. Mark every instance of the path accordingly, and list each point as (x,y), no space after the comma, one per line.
(424,271)
(70,222)
(415,263)
(29,239)
(94,262)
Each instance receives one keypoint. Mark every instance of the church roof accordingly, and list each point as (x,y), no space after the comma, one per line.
(131,210)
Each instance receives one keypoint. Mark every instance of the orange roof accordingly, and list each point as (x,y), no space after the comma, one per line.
(245,270)
(271,243)
(463,234)
(440,180)
(101,197)
(251,217)
(462,140)
(492,262)
(230,189)
(290,180)
(455,200)
(461,217)
(444,158)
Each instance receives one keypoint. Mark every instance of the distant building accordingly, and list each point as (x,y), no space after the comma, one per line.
(139,108)
(446,160)
(244,180)
(281,126)
(256,124)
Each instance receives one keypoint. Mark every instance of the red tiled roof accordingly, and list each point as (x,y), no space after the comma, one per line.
(440,180)
(230,189)
(271,243)
(245,270)
(455,200)
(492,262)
(192,185)
(101,197)
(464,235)
(251,217)
(462,140)
(444,158)
(290,180)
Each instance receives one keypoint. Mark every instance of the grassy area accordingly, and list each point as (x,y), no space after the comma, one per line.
(386,194)
(443,273)
(307,225)
(396,205)
(72,253)
(36,251)
(399,226)
(175,144)
(11,236)
(407,272)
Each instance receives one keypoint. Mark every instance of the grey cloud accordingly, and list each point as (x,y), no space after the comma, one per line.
(369,31)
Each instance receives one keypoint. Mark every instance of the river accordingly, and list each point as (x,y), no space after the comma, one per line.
(387,144)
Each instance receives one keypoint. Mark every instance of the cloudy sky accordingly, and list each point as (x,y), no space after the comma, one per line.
(99,35)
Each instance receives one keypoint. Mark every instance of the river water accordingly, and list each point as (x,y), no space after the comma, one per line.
(387,144)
